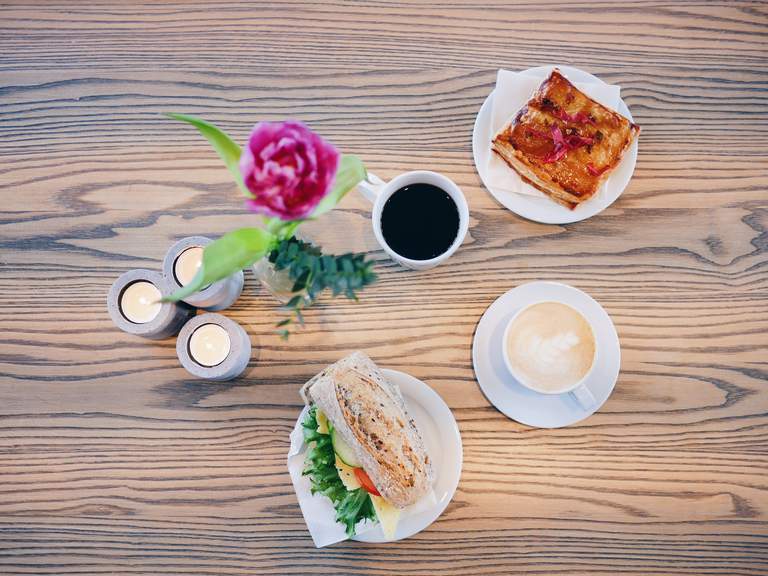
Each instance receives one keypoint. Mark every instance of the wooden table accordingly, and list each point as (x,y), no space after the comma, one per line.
(114,460)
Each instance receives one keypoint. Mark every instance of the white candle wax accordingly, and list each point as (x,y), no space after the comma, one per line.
(139,302)
(209,345)
(187,264)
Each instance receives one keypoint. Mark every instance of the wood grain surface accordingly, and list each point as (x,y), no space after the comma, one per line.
(114,461)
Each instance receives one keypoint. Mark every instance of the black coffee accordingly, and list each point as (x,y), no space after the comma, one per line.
(420,221)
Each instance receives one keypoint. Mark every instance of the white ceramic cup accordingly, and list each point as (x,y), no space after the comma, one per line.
(378,192)
(579,389)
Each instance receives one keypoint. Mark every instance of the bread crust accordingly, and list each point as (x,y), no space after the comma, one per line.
(370,414)
(594,140)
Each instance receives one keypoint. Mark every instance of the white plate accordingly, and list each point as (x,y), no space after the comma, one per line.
(543,209)
(443,442)
(520,403)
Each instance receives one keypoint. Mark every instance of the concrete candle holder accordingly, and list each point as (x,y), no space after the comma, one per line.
(133,307)
(180,265)
(213,347)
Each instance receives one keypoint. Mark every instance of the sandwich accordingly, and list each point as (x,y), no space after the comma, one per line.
(563,142)
(364,452)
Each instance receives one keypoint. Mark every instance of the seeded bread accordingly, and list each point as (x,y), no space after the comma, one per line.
(369,413)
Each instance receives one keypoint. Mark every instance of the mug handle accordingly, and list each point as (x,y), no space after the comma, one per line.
(583,396)
(371,187)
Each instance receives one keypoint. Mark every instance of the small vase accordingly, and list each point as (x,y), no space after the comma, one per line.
(277,282)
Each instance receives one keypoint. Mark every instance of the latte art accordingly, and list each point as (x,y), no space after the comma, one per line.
(551,354)
(550,347)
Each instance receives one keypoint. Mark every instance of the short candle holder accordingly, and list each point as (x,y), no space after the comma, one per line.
(133,304)
(182,262)
(213,347)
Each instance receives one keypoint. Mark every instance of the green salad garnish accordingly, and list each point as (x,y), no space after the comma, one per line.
(320,465)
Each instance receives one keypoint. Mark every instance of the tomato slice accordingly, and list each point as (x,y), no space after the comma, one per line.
(366,482)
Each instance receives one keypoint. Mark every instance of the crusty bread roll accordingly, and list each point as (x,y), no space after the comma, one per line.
(369,413)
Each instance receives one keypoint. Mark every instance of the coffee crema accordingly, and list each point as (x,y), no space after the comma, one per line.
(550,346)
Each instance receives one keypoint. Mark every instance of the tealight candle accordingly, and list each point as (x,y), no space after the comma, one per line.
(134,305)
(140,302)
(180,265)
(209,345)
(187,264)
(213,347)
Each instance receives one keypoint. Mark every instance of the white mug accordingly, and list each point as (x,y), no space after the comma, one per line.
(378,192)
(579,389)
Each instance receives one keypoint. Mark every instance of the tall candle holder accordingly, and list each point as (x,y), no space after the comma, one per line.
(133,304)
(180,265)
(213,347)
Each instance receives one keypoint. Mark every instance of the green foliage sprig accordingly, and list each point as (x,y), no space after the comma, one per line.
(313,272)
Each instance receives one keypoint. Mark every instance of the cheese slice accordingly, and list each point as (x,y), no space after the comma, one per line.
(388,516)
(347,475)
(322,423)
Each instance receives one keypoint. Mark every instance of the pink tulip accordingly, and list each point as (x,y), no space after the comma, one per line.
(287,168)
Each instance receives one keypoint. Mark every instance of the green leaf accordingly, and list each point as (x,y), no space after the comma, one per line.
(225,256)
(351,506)
(329,264)
(293,302)
(350,173)
(301,281)
(227,149)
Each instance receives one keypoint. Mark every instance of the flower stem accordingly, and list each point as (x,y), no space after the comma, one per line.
(289,229)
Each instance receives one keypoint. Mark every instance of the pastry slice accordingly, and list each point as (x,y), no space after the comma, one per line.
(563,142)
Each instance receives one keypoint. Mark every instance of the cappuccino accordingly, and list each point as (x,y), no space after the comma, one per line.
(549,347)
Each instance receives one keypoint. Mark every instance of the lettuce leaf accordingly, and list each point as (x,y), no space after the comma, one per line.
(320,465)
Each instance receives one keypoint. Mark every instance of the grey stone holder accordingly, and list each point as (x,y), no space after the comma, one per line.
(168,321)
(239,349)
(217,296)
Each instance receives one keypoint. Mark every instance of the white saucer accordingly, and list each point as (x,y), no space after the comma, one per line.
(543,209)
(520,403)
